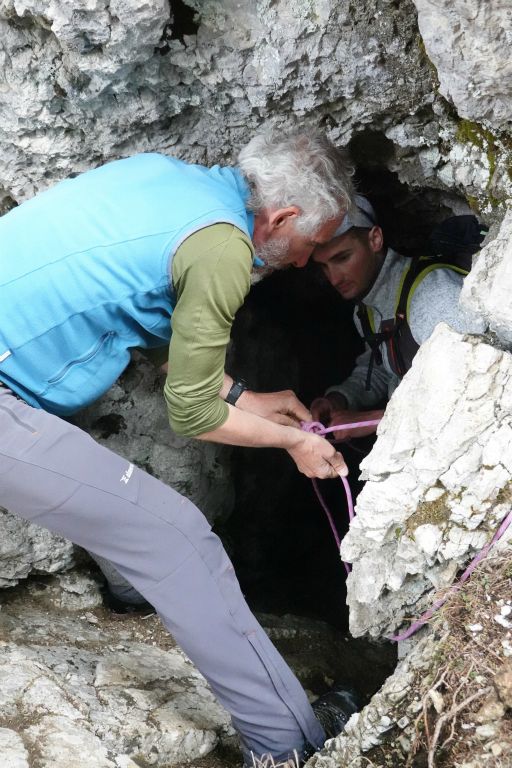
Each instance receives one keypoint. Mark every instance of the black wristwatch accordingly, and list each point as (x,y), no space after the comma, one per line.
(238,386)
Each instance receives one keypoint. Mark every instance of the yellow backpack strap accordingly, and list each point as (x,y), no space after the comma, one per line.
(412,277)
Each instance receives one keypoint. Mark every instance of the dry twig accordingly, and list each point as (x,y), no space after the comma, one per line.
(452,713)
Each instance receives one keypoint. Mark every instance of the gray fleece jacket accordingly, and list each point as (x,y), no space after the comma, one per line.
(435,300)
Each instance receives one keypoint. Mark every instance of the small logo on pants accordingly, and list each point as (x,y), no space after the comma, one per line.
(127,474)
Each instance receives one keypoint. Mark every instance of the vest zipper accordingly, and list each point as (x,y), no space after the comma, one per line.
(101,341)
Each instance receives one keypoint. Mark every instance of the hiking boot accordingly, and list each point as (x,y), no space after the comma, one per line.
(334,709)
(267,761)
(120,609)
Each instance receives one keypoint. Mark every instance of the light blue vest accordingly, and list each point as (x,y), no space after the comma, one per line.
(84,271)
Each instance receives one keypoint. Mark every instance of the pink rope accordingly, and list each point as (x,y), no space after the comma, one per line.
(318,428)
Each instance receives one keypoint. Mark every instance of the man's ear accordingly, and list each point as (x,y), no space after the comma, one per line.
(282,217)
(376,239)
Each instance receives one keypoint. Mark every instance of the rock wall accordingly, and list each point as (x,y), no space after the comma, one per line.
(487,288)
(83,83)
(437,481)
(421,94)
(26,548)
(465,40)
(80,691)
(439,476)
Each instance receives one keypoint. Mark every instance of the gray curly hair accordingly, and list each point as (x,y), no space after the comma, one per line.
(302,169)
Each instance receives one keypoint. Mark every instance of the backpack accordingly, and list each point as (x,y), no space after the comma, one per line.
(451,245)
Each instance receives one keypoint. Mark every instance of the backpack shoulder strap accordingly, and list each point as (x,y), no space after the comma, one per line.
(418,270)
(372,338)
(405,345)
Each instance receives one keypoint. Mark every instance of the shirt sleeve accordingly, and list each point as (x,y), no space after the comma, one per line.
(211,277)
(436,300)
(353,388)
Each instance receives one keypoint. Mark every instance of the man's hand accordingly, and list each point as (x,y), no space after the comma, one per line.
(271,421)
(316,457)
(323,407)
(332,410)
(280,407)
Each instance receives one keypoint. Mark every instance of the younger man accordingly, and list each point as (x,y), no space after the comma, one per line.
(364,271)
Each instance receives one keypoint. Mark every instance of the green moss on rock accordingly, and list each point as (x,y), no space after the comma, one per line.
(429,512)
(497,147)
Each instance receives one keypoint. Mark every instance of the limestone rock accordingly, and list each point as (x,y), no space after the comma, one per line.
(89,82)
(12,749)
(73,591)
(121,694)
(487,288)
(438,480)
(97,694)
(61,742)
(26,548)
(465,40)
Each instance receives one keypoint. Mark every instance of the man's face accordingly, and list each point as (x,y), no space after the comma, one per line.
(286,247)
(300,247)
(351,263)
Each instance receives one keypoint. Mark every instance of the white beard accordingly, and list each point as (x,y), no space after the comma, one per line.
(273,253)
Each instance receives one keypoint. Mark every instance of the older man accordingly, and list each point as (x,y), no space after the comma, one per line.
(109,261)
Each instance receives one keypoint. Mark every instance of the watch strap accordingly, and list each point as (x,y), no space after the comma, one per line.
(238,386)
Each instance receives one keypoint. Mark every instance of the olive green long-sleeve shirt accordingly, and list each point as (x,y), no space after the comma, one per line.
(211,278)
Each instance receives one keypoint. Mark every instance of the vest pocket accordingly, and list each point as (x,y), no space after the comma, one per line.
(84,378)
(85,358)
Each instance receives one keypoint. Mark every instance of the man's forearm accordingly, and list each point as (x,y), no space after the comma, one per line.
(252,431)
(353,388)
(313,455)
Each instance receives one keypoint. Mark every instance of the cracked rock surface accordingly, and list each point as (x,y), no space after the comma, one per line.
(437,480)
(465,40)
(80,690)
(487,288)
(83,83)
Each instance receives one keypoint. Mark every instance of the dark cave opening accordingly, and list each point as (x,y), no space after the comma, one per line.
(185,20)
(295,332)
(406,214)
(292,333)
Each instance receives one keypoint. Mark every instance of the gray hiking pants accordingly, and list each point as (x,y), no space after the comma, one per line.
(56,475)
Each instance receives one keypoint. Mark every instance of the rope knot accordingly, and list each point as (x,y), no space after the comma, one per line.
(313,426)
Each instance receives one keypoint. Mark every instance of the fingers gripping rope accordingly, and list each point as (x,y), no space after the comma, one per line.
(318,428)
